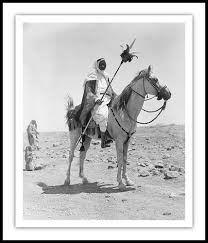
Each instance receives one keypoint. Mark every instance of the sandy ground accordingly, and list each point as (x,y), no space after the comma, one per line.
(152,197)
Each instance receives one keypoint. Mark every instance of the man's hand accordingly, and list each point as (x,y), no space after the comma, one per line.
(98,102)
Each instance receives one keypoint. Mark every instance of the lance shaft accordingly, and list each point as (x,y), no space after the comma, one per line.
(95,104)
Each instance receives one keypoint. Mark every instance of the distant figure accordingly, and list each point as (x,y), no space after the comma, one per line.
(32,134)
(29,158)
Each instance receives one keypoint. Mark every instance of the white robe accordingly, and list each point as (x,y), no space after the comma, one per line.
(100,112)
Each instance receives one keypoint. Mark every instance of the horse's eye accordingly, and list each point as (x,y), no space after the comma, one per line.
(155,80)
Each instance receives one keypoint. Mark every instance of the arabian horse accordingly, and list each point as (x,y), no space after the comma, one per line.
(122,120)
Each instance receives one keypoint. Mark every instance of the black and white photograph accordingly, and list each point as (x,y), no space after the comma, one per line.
(104,117)
(103,121)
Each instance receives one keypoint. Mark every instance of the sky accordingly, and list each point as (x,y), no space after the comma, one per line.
(58,56)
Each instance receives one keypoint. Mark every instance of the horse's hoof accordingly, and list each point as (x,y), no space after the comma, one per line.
(129,183)
(67,182)
(121,186)
(84,180)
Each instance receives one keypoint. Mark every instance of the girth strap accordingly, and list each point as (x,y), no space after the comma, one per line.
(128,134)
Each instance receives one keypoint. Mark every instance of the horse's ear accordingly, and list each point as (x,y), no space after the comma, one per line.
(150,69)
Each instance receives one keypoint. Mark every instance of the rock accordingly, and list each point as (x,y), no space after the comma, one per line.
(161,170)
(64,156)
(39,166)
(141,164)
(150,167)
(170,174)
(166,156)
(173,168)
(159,164)
(169,148)
(155,172)
(166,213)
(181,170)
(110,167)
(144,159)
(133,142)
(55,145)
(132,149)
(143,173)
(124,200)
(95,142)
(172,195)
(111,159)
(147,163)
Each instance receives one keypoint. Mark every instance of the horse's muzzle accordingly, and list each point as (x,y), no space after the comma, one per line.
(164,93)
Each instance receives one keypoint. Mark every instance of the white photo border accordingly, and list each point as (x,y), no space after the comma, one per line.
(105,18)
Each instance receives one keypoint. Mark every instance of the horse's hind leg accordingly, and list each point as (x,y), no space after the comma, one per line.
(73,138)
(86,144)
(124,174)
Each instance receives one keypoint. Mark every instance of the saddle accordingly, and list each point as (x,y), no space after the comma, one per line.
(73,122)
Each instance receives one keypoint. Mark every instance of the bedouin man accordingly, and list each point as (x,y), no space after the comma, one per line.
(95,85)
(32,134)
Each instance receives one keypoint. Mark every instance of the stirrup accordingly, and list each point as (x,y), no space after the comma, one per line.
(105,145)
(104,142)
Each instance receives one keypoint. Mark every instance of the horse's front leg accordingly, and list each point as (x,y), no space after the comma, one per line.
(124,174)
(119,150)
(86,144)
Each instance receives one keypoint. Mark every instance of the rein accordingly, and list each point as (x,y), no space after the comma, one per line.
(161,109)
(128,133)
(143,123)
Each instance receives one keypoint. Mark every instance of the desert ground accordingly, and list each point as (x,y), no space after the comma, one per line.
(156,160)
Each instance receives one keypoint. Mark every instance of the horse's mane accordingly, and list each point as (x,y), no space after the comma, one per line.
(121,100)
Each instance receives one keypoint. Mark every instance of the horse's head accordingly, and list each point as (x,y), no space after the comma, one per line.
(152,86)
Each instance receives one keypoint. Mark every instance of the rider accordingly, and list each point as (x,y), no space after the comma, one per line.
(95,85)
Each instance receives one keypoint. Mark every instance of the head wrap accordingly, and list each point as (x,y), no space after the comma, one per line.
(96,73)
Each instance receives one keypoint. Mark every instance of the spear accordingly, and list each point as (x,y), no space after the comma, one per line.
(126,56)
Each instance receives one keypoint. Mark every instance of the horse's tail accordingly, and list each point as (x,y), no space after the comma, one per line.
(70,103)
(71,112)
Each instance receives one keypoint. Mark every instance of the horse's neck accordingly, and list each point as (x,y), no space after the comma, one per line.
(135,103)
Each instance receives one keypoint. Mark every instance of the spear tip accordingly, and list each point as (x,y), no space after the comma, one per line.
(132,43)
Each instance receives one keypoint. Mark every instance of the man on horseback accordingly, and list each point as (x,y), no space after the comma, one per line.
(95,85)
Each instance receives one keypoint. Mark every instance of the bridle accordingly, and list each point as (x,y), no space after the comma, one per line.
(143,96)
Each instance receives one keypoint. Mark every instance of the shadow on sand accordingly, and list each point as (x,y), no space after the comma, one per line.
(93,187)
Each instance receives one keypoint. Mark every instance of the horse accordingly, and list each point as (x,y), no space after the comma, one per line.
(122,120)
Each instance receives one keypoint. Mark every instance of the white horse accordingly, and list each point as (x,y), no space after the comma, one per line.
(122,122)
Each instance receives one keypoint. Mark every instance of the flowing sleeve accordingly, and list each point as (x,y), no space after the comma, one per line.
(88,99)
(90,89)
